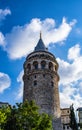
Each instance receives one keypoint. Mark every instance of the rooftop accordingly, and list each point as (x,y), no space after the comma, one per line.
(40,45)
(79,109)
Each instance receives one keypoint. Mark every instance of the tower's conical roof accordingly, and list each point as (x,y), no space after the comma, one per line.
(40,45)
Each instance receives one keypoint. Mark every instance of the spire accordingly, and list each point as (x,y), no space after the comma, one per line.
(40,45)
(40,35)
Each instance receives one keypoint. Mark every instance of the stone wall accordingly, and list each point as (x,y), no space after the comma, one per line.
(41,83)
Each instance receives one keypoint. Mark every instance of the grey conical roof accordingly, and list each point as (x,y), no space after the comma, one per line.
(40,45)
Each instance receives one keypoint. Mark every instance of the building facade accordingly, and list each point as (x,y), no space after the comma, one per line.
(65,118)
(2,104)
(80,117)
(41,82)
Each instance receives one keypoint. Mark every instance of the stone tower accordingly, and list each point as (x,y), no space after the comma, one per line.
(41,81)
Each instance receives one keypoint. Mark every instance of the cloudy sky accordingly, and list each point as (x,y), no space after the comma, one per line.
(60,22)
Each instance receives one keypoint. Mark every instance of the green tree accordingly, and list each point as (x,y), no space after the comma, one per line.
(11,121)
(2,119)
(73,123)
(26,116)
(4,112)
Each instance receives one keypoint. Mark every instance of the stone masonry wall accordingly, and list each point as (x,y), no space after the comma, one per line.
(41,84)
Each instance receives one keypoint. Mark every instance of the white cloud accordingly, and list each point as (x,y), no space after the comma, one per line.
(19,93)
(4,82)
(71,78)
(2,38)
(23,39)
(70,95)
(71,72)
(74,52)
(68,100)
(4,13)
(66,96)
(80,87)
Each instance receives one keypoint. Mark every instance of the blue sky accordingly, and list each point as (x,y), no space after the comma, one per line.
(61,24)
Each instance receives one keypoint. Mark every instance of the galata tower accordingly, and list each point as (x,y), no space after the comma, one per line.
(41,81)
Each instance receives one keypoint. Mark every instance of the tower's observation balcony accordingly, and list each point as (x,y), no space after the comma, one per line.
(40,60)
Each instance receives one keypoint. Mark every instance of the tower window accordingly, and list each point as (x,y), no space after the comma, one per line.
(50,66)
(28,78)
(51,77)
(29,66)
(63,127)
(35,83)
(44,75)
(67,127)
(35,64)
(43,64)
(35,76)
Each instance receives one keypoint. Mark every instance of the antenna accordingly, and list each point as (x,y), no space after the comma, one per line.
(40,35)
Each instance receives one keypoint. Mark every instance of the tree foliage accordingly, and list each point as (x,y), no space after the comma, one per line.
(73,123)
(24,116)
(4,112)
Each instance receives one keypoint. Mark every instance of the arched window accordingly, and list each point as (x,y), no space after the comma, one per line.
(35,76)
(67,127)
(44,75)
(35,64)
(29,66)
(63,127)
(35,83)
(50,66)
(43,64)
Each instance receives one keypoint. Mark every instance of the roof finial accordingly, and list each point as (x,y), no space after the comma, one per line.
(40,35)
(40,45)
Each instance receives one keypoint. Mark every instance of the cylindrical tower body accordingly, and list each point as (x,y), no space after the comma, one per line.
(41,81)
